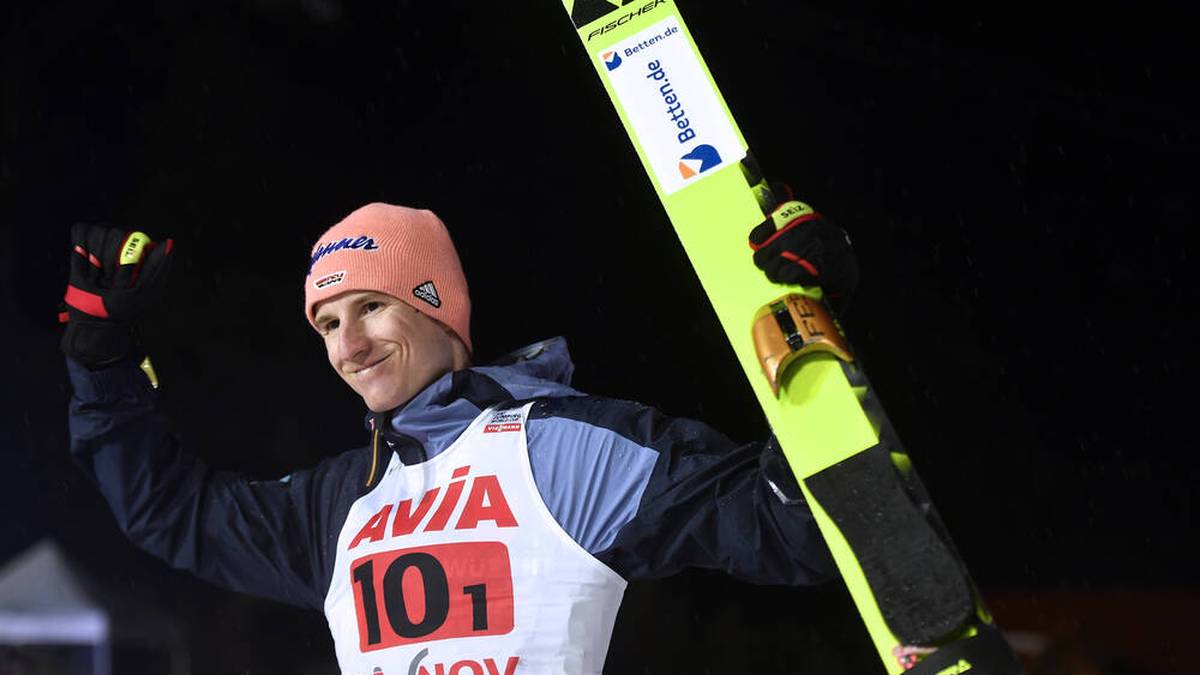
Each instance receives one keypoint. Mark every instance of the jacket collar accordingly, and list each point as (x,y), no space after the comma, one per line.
(435,417)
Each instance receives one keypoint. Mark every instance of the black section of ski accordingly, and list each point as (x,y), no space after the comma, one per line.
(986,654)
(587,11)
(916,578)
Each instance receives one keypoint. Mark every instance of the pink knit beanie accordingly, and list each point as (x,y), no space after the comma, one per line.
(406,253)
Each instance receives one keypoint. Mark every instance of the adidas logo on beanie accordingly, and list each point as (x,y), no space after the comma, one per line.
(428,293)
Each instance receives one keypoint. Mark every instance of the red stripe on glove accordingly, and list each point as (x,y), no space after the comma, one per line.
(802,219)
(88,303)
(801,262)
(91,257)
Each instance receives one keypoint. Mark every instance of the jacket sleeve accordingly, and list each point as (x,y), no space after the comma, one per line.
(701,499)
(274,539)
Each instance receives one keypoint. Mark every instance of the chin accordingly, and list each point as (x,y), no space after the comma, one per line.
(384,404)
(378,406)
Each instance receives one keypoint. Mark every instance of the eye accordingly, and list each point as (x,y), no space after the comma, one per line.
(371,306)
(328,326)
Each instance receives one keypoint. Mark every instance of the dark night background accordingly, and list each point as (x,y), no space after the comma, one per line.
(1020,187)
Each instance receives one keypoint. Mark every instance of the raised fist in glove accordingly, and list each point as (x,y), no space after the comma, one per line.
(796,245)
(116,275)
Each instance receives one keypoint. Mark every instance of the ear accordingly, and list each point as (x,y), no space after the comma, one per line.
(462,358)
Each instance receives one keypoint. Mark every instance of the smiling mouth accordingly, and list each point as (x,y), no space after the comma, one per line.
(366,370)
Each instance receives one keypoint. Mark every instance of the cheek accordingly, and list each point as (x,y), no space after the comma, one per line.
(331,351)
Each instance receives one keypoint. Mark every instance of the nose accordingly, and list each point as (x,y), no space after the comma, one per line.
(354,343)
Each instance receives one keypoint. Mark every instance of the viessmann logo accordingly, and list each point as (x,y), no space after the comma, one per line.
(332,279)
(503,421)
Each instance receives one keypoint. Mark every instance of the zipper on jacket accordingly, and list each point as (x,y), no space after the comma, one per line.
(374,455)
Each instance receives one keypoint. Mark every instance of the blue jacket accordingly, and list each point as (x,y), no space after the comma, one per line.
(646,494)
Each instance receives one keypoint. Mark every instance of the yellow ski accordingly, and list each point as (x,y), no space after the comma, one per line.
(910,587)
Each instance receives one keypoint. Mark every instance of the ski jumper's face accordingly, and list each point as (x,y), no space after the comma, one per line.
(385,350)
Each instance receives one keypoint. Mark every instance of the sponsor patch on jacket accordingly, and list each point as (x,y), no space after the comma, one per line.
(331,279)
(503,421)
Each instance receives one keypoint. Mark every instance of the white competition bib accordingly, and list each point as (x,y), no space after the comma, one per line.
(456,567)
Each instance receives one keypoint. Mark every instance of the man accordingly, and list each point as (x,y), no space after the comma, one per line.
(495,518)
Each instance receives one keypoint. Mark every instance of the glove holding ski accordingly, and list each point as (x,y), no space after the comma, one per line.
(796,245)
(116,275)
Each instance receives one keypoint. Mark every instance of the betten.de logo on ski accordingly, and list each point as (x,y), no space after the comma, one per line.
(702,158)
(674,113)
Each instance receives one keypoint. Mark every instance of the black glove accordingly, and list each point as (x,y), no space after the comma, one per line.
(104,297)
(796,245)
